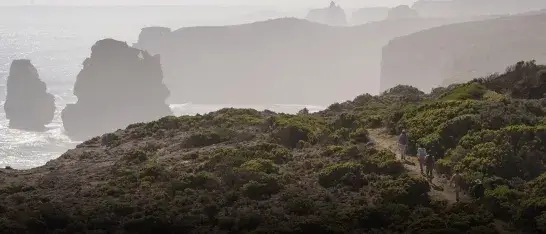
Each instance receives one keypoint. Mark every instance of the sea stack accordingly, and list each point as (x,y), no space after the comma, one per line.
(118,85)
(28,105)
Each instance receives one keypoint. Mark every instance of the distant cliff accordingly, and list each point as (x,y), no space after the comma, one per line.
(459,52)
(333,15)
(402,12)
(152,38)
(458,8)
(278,61)
(369,14)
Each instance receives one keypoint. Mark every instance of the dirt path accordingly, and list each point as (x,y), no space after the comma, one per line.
(440,188)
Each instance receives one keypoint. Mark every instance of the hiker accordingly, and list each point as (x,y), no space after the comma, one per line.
(456,181)
(478,189)
(402,144)
(421,155)
(429,163)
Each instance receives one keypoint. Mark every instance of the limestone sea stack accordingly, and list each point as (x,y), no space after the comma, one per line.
(118,85)
(28,105)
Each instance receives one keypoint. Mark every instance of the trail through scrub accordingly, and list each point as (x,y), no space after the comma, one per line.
(440,188)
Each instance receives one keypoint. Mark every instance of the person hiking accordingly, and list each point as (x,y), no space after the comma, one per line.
(429,162)
(478,189)
(402,144)
(456,181)
(421,155)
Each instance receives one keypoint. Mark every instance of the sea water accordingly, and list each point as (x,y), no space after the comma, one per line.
(58,39)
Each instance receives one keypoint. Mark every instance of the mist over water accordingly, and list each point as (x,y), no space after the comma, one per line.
(58,39)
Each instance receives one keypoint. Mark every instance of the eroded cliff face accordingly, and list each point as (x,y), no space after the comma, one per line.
(117,86)
(460,52)
(283,61)
(28,105)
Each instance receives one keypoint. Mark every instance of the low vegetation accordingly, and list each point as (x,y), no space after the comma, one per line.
(244,171)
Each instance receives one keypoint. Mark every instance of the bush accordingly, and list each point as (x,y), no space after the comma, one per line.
(207,138)
(292,129)
(339,174)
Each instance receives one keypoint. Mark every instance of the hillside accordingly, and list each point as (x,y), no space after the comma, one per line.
(459,52)
(244,171)
(278,61)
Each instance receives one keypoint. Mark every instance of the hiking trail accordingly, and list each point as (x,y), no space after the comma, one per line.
(440,189)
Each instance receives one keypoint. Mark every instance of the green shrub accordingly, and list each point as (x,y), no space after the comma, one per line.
(260,165)
(290,129)
(207,138)
(261,190)
(335,174)
(466,91)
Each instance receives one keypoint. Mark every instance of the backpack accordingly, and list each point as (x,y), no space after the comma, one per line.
(429,159)
(421,154)
(403,139)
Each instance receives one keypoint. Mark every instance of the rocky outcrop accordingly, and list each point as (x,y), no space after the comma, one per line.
(28,105)
(152,38)
(369,14)
(459,52)
(279,61)
(117,86)
(333,15)
(458,8)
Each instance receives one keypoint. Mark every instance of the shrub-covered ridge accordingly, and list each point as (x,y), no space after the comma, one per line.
(245,171)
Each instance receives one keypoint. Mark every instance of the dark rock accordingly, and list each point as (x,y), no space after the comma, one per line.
(460,52)
(333,15)
(28,105)
(117,86)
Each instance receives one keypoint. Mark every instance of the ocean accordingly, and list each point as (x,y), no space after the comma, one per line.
(58,39)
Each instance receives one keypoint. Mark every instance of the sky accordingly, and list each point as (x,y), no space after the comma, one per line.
(280,3)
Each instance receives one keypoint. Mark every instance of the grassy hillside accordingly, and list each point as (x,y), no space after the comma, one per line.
(244,171)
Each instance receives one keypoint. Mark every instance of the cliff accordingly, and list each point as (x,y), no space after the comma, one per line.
(243,171)
(279,61)
(152,38)
(118,85)
(28,105)
(402,12)
(369,14)
(459,52)
(459,8)
(333,15)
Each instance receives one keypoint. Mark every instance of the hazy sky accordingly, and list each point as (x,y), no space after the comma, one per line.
(280,3)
